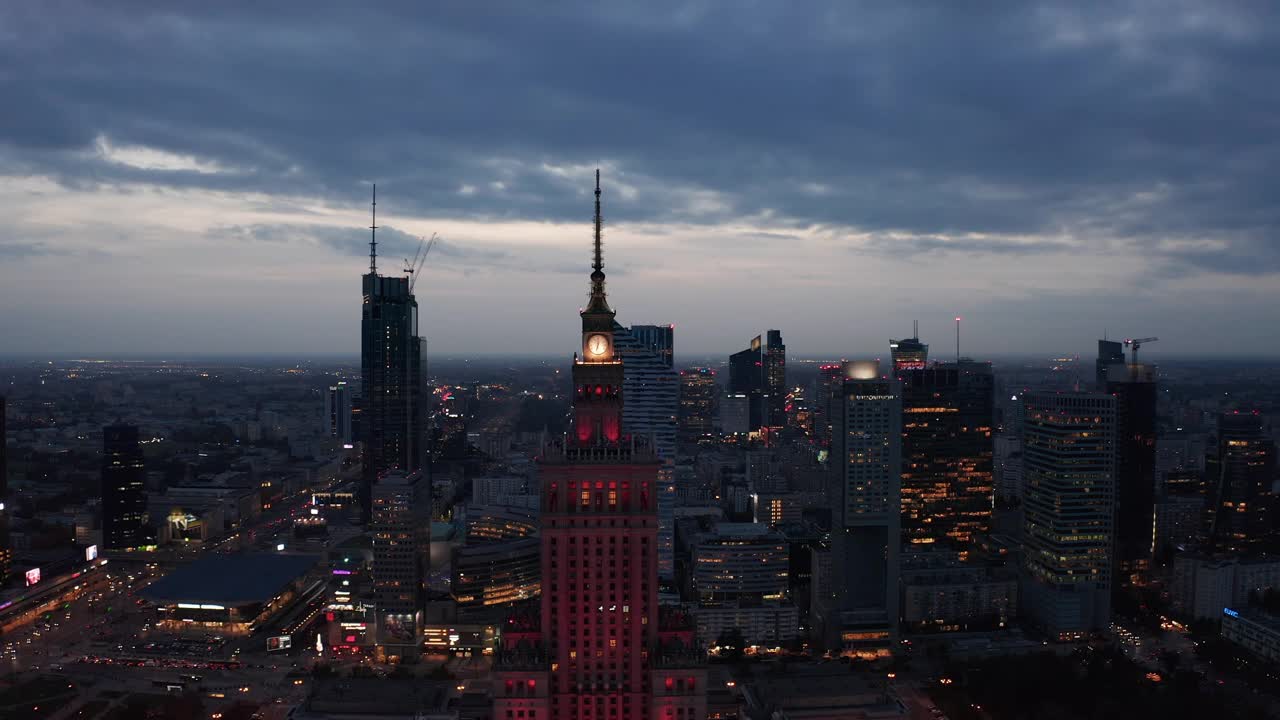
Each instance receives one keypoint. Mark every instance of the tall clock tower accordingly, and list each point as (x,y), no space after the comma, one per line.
(594,651)
(597,374)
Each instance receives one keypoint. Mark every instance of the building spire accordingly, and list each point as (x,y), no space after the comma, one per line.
(598,302)
(373,234)
(598,265)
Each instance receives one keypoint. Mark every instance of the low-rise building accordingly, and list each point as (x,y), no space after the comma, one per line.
(1205,584)
(1257,632)
(768,624)
(958,599)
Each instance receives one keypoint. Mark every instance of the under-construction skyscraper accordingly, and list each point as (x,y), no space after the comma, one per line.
(391,368)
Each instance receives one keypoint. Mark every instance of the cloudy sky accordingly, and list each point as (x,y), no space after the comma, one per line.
(195,177)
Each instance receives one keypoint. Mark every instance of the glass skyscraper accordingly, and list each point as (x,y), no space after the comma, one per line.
(1069,475)
(947,416)
(124,495)
(391,367)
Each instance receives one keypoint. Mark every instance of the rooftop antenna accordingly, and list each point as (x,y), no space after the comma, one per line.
(915,329)
(373,235)
(957,339)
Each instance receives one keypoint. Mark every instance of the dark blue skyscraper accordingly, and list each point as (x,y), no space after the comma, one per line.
(658,338)
(391,370)
(746,377)
(124,496)
(775,379)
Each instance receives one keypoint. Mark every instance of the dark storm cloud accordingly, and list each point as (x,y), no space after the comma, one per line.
(1135,122)
(924,244)
(396,247)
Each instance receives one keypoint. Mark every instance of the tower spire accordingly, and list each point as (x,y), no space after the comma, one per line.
(373,234)
(598,302)
(598,265)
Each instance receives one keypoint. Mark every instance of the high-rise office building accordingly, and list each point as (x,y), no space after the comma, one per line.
(740,562)
(652,389)
(4,452)
(1241,471)
(1069,471)
(862,617)
(337,413)
(746,378)
(124,495)
(775,379)
(1134,388)
(401,529)
(658,338)
(827,401)
(498,566)
(698,392)
(1110,353)
(6,551)
(735,414)
(947,447)
(391,367)
(909,353)
(595,650)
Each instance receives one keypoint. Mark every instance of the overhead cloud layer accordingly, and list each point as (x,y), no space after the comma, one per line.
(834,170)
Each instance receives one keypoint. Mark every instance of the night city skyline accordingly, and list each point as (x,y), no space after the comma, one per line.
(1048,173)
(687,361)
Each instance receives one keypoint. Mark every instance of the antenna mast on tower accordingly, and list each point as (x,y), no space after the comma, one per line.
(373,235)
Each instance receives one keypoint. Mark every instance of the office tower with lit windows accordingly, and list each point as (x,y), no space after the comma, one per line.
(947,447)
(1069,473)
(908,353)
(860,609)
(827,399)
(746,379)
(740,562)
(391,368)
(4,452)
(337,413)
(401,530)
(775,379)
(698,393)
(1110,352)
(6,551)
(594,650)
(660,339)
(1241,470)
(1134,388)
(652,389)
(124,494)
(499,564)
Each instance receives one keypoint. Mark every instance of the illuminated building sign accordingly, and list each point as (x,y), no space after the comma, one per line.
(91,553)
(1230,612)
(280,642)
(33,576)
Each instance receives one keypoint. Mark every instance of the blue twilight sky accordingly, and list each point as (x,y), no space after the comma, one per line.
(194,177)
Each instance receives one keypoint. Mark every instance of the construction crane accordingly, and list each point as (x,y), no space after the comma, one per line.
(1134,345)
(413,267)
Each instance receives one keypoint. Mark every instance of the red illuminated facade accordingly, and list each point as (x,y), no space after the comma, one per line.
(597,648)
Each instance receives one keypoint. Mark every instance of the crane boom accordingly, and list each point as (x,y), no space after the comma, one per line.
(1135,344)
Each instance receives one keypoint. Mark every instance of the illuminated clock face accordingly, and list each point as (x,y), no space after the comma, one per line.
(597,345)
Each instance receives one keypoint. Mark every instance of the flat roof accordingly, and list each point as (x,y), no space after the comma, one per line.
(230,579)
